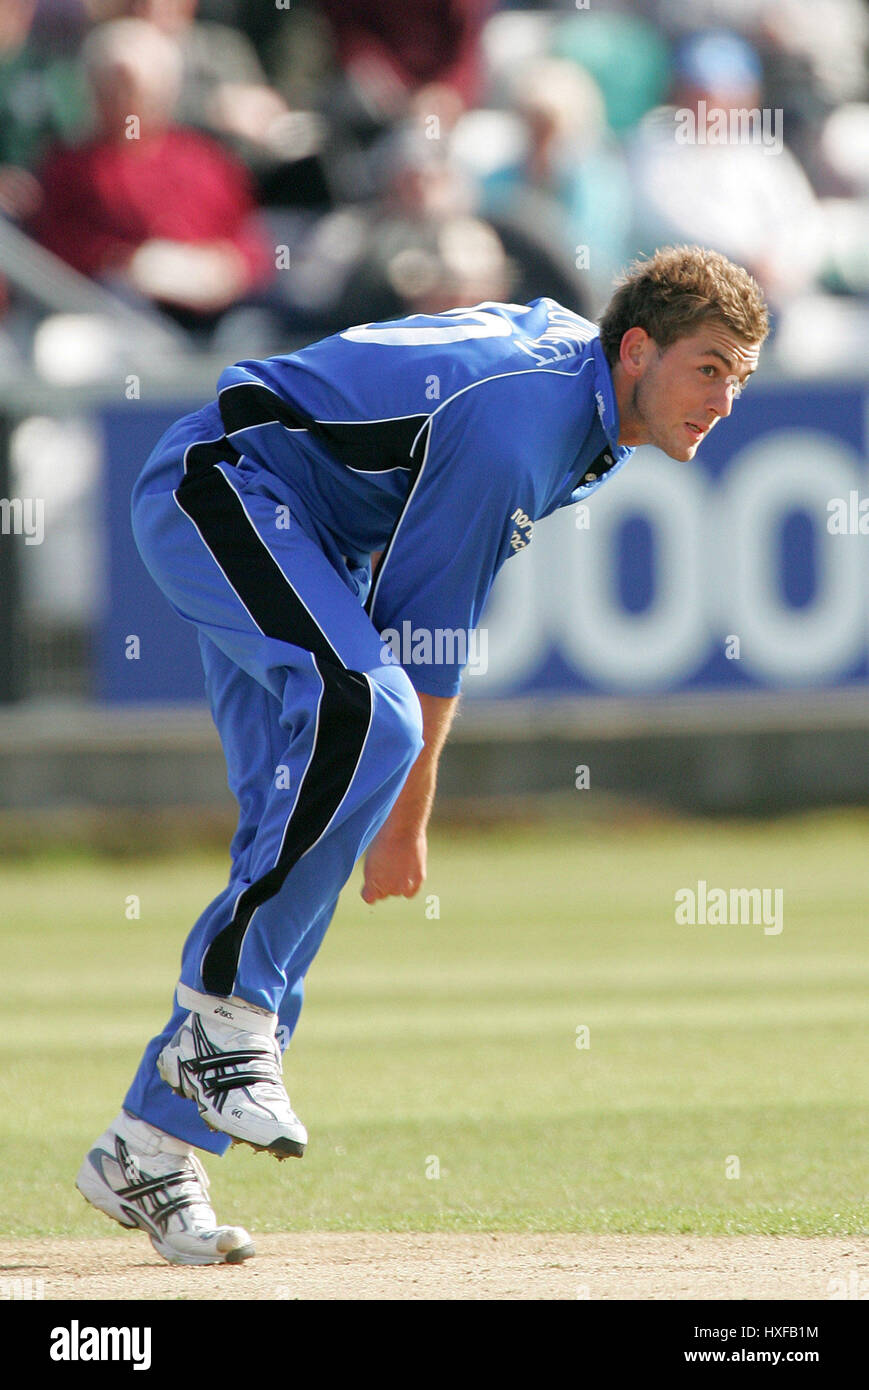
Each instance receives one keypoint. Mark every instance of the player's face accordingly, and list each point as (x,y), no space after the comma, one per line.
(680,393)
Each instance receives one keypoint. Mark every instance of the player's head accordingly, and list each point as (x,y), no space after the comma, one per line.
(682,334)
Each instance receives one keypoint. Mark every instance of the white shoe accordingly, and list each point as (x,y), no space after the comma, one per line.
(142,1177)
(235,1077)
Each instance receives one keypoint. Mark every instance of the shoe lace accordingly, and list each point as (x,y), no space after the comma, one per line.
(221,1072)
(182,1186)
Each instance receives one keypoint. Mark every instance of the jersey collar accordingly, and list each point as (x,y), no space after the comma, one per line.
(605,400)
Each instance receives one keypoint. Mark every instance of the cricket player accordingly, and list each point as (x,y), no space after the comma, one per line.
(432,443)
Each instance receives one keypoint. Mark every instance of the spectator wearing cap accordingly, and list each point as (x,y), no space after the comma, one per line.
(702,172)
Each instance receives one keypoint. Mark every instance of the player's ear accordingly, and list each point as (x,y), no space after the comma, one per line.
(634,351)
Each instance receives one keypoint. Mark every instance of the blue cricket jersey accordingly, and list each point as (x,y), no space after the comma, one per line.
(438,440)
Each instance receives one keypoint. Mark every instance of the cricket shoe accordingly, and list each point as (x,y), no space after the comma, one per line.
(235,1077)
(144,1178)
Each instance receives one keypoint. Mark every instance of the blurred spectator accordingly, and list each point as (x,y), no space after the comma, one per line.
(295,45)
(830,35)
(841,173)
(426,250)
(42,99)
(224,91)
(159,210)
(551,164)
(814,54)
(511,39)
(420,57)
(699,177)
(417,248)
(626,56)
(223,87)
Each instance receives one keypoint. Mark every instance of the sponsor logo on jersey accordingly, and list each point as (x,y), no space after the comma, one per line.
(523,530)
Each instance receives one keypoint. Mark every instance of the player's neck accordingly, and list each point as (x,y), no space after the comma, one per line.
(632,428)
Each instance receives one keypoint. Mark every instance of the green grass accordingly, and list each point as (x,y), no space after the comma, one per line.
(455,1038)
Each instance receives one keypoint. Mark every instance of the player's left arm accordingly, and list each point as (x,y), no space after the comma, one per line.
(396,860)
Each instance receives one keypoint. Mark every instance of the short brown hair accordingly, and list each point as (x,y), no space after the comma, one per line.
(677,289)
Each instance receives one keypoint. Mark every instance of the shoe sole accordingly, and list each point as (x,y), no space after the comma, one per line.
(279,1148)
(232,1257)
(242,1252)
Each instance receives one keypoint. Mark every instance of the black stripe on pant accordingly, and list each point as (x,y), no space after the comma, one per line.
(345,705)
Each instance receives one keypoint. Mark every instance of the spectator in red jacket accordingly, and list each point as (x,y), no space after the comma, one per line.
(159,209)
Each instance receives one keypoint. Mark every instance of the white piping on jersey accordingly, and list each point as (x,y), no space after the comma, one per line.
(256,381)
(387,419)
(195,444)
(379,420)
(553,356)
(379,472)
(261,424)
(496,376)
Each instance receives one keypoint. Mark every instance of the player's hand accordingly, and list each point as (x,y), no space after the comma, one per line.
(394,864)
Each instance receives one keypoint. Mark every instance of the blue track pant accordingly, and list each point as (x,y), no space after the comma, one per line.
(319,732)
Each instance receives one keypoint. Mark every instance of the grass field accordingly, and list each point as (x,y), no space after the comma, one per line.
(448,1044)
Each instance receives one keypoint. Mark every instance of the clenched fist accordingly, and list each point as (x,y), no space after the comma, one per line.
(394,864)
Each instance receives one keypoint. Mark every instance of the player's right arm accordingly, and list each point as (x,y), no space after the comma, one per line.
(395,864)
